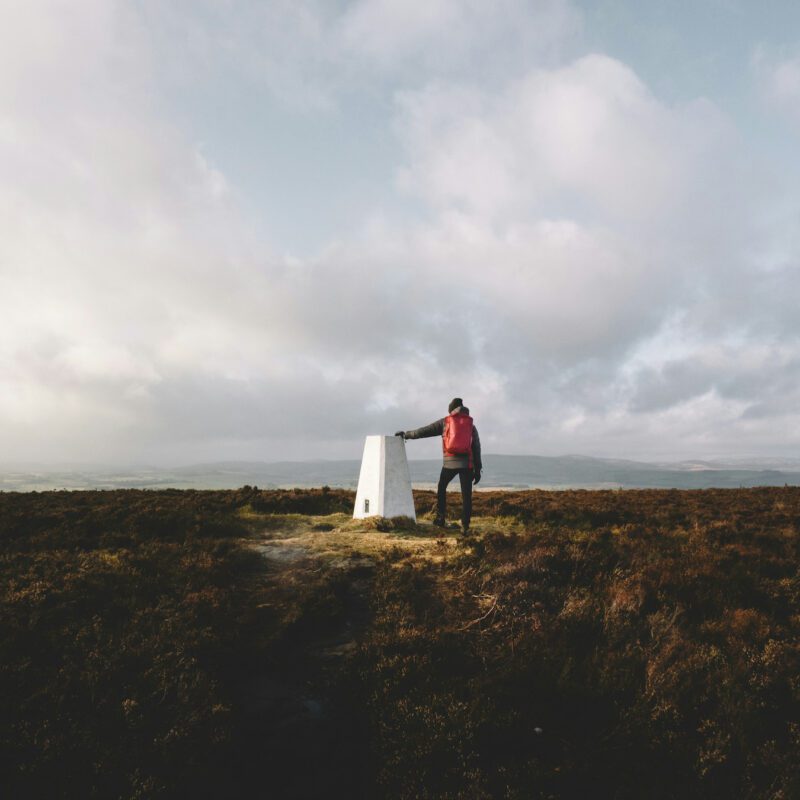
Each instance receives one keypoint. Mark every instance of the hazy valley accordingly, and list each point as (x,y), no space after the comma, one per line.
(501,471)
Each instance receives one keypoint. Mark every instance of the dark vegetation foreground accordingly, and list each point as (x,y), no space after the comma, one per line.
(637,644)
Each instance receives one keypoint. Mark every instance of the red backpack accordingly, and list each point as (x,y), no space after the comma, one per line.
(457,439)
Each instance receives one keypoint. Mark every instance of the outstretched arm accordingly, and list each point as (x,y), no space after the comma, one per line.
(425,432)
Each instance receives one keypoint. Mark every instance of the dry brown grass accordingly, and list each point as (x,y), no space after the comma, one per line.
(604,644)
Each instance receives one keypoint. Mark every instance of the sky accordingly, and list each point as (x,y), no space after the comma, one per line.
(239,230)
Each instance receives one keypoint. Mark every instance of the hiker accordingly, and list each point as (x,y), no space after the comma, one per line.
(461,448)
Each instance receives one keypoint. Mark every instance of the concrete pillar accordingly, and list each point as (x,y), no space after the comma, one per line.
(384,484)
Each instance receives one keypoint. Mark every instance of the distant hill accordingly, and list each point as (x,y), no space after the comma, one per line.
(500,471)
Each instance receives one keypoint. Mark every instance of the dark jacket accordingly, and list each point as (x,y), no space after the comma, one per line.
(452,462)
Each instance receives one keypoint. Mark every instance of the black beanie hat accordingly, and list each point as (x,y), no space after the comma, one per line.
(456,402)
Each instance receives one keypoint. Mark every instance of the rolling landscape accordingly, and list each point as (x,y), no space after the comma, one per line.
(501,472)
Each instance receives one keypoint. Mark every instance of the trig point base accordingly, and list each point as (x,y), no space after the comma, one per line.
(384,484)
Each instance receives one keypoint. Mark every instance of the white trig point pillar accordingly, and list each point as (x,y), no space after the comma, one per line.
(384,484)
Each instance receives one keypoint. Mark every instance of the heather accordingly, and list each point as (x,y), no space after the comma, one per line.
(617,644)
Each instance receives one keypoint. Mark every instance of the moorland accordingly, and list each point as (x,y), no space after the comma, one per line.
(251,643)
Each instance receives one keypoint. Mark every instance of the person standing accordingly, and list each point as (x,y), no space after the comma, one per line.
(461,450)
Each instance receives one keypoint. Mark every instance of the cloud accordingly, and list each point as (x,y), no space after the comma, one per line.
(581,261)
(560,199)
(565,325)
(311,55)
(588,139)
(778,78)
(117,235)
(743,373)
(454,36)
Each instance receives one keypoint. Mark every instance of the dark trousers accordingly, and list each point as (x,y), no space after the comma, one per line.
(465,476)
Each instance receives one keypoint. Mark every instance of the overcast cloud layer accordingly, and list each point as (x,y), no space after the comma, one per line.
(265,230)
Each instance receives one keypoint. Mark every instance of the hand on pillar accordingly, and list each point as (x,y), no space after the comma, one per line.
(401,434)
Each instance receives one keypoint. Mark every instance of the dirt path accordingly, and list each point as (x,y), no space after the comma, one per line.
(299,703)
